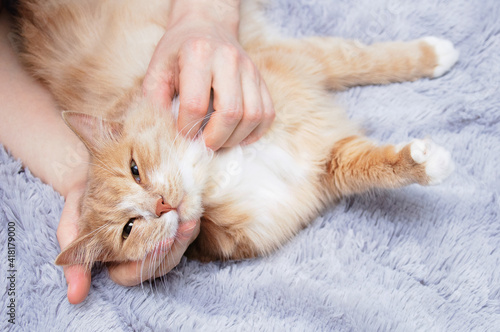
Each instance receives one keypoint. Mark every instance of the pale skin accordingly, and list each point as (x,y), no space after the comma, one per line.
(198,53)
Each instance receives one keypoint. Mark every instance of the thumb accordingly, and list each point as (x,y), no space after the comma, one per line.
(77,276)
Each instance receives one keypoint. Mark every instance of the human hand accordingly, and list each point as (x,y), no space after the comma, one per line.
(200,52)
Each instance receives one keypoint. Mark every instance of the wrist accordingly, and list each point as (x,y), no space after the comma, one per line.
(69,174)
(76,181)
(223,13)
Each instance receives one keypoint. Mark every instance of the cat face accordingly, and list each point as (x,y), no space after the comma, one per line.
(144,180)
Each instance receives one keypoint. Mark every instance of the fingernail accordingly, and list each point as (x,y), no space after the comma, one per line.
(187,229)
(187,232)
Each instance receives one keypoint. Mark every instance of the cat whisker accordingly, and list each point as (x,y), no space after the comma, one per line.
(193,124)
(142,271)
(150,265)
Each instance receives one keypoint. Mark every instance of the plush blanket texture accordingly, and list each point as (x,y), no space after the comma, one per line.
(419,258)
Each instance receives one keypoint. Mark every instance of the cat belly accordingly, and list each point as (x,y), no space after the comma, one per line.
(264,192)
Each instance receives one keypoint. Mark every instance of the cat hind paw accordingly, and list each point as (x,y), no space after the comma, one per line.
(446,54)
(436,160)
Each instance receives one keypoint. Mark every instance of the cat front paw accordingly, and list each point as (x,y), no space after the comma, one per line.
(435,159)
(446,54)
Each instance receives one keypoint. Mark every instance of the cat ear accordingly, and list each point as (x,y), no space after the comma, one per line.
(85,250)
(93,131)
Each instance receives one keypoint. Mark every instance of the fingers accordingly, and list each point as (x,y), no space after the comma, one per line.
(192,66)
(267,117)
(160,79)
(228,100)
(186,234)
(77,276)
(158,88)
(195,79)
(253,109)
(133,273)
(243,106)
(188,231)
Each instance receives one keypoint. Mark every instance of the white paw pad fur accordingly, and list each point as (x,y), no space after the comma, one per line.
(438,163)
(447,54)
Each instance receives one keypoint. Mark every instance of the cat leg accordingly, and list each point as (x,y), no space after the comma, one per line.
(358,165)
(350,63)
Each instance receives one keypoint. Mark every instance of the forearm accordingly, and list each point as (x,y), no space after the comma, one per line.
(31,127)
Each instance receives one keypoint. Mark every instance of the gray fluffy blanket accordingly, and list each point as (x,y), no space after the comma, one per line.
(413,259)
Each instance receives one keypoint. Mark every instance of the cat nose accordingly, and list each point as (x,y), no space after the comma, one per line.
(162,207)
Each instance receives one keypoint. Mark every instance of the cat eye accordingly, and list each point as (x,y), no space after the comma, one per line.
(128,228)
(135,171)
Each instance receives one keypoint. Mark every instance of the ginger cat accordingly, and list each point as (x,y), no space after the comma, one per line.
(145,179)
